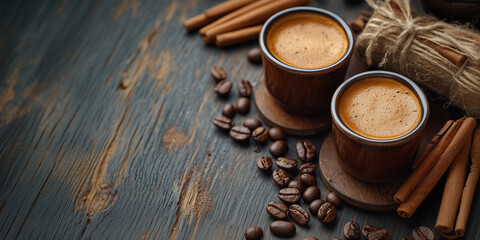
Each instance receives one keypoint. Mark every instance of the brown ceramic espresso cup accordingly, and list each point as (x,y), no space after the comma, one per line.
(306,52)
(378,120)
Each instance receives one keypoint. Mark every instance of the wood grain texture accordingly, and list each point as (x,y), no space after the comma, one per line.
(105,129)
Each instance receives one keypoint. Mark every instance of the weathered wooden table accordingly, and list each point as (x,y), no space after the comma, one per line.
(105,129)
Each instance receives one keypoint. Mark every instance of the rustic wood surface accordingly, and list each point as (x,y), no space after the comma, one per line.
(105,129)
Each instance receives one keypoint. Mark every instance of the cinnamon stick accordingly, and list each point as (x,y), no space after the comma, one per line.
(196,22)
(470,185)
(432,144)
(452,192)
(239,36)
(225,7)
(234,14)
(422,170)
(254,17)
(408,207)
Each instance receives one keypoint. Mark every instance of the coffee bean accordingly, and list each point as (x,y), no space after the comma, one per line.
(296,184)
(289,195)
(277,210)
(282,228)
(308,179)
(310,238)
(252,123)
(334,199)
(315,205)
(311,193)
(278,148)
(281,177)
(375,233)
(264,163)
(423,233)
(306,150)
(254,55)
(309,168)
(351,230)
(286,163)
(244,88)
(277,134)
(243,105)
(260,135)
(223,122)
(218,73)
(228,110)
(299,214)
(223,87)
(327,213)
(253,233)
(240,134)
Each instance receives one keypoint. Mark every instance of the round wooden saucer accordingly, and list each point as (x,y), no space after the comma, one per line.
(274,115)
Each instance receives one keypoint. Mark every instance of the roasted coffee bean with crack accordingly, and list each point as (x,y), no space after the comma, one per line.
(244,88)
(260,135)
(352,230)
(423,233)
(223,87)
(299,214)
(306,150)
(315,205)
(223,123)
(375,233)
(296,184)
(289,195)
(264,163)
(280,177)
(277,210)
(308,167)
(240,134)
(286,163)
(218,73)
(327,213)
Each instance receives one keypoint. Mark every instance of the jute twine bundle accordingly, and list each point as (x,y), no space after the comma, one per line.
(397,43)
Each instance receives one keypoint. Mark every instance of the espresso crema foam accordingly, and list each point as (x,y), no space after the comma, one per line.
(380,108)
(307,40)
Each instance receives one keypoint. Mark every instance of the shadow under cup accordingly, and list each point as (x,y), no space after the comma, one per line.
(303,91)
(377,159)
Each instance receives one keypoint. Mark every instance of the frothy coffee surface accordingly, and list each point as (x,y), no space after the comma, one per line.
(380,108)
(307,40)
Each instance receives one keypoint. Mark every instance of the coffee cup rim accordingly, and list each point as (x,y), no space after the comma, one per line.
(332,15)
(386,74)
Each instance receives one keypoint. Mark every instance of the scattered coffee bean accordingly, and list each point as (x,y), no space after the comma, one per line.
(315,205)
(309,168)
(277,134)
(286,163)
(282,228)
(278,148)
(306,150)
(260,135)
(375,233)
(253,233)
(327,213)
(277,210)
(289,195)
(252,123)
(254,55)
(351,230)
(223,87)
(244,88)
(280,177)
(310,238)
(423,233)
(264,163)
(311,193)
(308,180)
(228,110)
(223,123)
(243,105)
(334,199)
(240,134)
(218,73)
(296,184)
(299,214)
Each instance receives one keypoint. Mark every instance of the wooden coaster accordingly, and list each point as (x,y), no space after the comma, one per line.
(274,115)
(370,196)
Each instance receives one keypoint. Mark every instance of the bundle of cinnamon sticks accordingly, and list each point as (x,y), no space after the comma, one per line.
(450,147)
(236,21)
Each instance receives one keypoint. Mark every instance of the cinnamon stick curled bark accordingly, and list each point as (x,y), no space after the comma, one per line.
(416,197)
(433,143)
